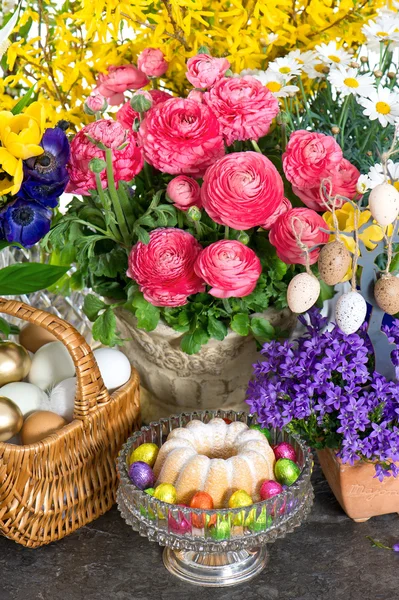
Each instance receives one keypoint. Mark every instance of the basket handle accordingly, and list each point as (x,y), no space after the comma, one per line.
(90,390)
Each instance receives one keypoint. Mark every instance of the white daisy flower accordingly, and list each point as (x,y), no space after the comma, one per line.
(316,69)
(304,59)
(332,55)
(349,81)
(384,29)
(288,67)
(381,104)
(274,82)
(375,176)
(363,184)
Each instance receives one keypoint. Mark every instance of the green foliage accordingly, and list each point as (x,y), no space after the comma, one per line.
(26,278)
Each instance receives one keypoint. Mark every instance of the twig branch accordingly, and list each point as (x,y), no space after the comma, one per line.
(174,36)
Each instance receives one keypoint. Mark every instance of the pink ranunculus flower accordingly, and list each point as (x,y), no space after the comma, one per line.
(126,116)
(230,268)
(181,137)
(126,162)
(307,224)
(283,207)
(310,157)
(343,183)
(152,62)
(203,71)
(242,190)
(184,192)
(159,96)
(118,80)
(95,103)
(243,106)
(196,95)
(164,268)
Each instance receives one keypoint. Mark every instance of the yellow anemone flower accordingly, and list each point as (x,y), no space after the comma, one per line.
(20,135)
(11,173)
(346,222)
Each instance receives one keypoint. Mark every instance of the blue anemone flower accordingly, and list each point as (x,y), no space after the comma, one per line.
(25,222)
(45,176)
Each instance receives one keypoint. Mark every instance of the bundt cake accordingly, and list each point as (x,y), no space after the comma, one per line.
(217,458)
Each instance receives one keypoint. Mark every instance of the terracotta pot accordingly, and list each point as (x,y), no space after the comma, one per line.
(360,495)
(174,382)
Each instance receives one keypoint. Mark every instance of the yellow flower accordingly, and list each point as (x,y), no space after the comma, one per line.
(20,135)
(11,173)
(346,223)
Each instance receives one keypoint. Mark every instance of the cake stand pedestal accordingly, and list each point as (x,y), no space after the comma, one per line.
(216,569)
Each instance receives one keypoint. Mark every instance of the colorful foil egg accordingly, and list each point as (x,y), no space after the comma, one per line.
(263,430)
(204,501)
(259,523)
(270,488)
(286,471)
(166,492)
(180,525)
(221,530)
(141,475)
(240,499)
(285,450)
(145,453)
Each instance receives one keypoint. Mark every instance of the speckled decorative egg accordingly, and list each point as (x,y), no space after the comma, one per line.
(141,475)
(303,291)
(263,430)
(285,450)
(334,262)
(286,471)
(165,492)
(350,312)
(146,453)
(386,293)
(270,488)
(384,203)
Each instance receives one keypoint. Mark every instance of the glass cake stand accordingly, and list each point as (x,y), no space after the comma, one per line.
(220,547)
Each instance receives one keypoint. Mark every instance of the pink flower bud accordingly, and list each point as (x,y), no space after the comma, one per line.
(184,192)
(196,95)
(95,103)
(152,62)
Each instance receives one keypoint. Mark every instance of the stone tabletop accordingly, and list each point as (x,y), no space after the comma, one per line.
(327,558)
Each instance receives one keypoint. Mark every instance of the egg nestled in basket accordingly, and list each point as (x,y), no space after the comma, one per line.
(38,384)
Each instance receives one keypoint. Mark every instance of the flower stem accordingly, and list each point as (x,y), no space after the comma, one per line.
(256,147)
(104,201)
(226,305)
(180,222)
(226,232)
(115,198)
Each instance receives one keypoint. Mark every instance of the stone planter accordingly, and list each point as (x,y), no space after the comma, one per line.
(174,382)
(360,495)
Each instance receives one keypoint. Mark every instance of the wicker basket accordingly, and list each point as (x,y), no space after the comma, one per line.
(51,488)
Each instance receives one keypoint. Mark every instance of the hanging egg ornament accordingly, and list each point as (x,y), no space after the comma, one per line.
(286,471)
(303,291)
(334,262)
(263,430)
(11,419)
(15,362)
(384,203)
(141,475)
(386,293)
(146,453)
(270,488)
(350,312)
(285,450)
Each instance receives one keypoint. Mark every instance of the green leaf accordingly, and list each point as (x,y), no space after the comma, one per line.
(216,329)
(147,315)
(20,105)
(26,278)
(5,327)
(92,305)
(104,329)
(191,342)
(262,330)
(240,324)
(4,244)
(142,234)
(326,293)
(203,50)
(110,264)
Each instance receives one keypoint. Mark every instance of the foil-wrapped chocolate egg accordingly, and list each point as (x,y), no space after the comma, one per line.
(141,475)
(146,453)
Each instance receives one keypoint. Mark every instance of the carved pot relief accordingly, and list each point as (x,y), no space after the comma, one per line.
(360,494)
(174,382)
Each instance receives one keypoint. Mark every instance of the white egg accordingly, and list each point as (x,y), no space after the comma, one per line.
(62,398)
(350,312)
(384,203)
(51,364)
(303,291)
(26,396)
(114,367)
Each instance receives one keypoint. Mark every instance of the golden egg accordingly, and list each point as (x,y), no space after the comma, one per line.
(33,337)
(39,425)
(386,293)
(14,362)
(11,419)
